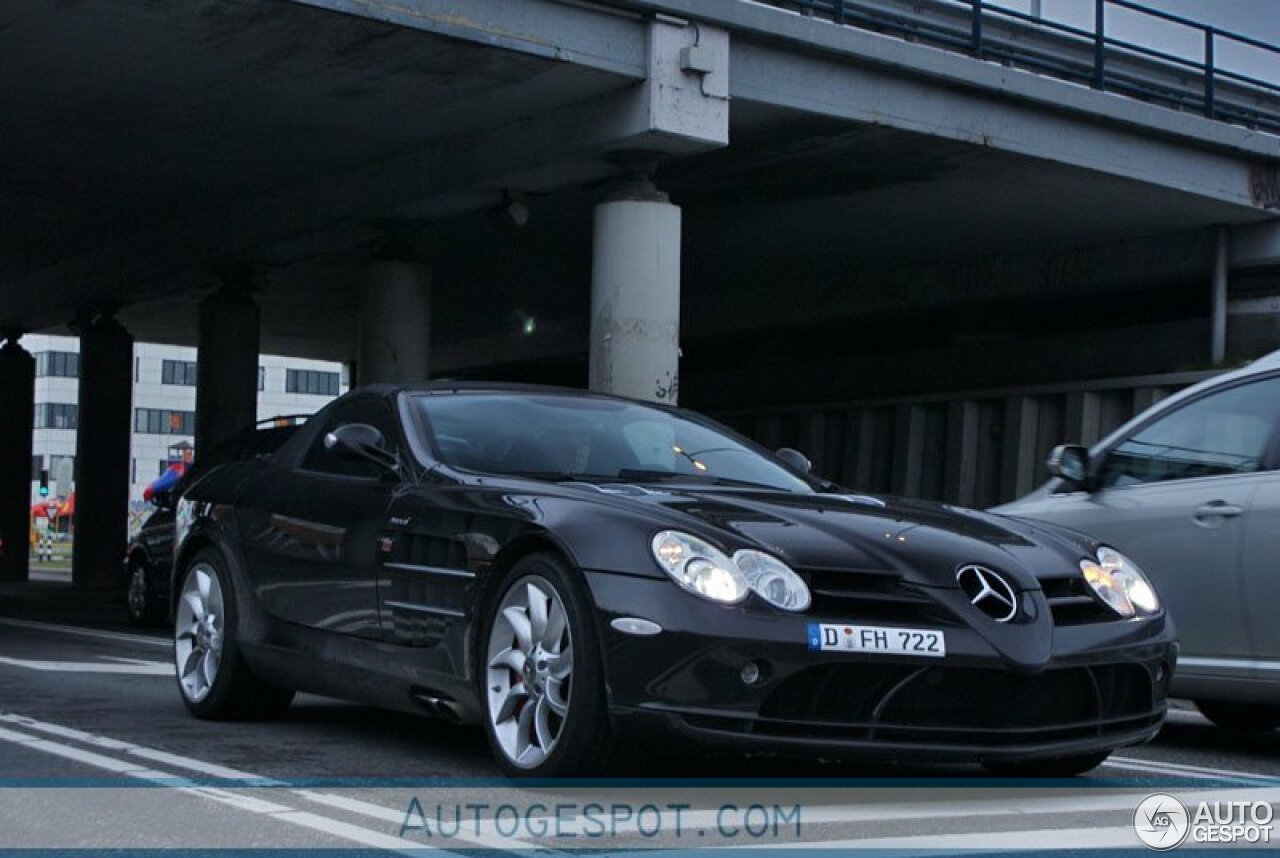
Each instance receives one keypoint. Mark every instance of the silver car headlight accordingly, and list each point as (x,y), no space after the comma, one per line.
(773,580)
(699,567)
(1120,583)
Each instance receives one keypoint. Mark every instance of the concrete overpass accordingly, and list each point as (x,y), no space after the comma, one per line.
(582,192)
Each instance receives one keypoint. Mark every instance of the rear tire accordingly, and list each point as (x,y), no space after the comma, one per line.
(1059,767)
(213,679)
(541,677)
(1240,716)
(143,603)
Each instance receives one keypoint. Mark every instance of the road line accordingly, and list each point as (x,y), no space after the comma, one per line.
(145,640)
(150,668)
(1206,771)
(272,810)
(979,841)
(190,764)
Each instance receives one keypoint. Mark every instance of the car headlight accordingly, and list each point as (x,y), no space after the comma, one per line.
(1120,583)
(773,580)
(699,567)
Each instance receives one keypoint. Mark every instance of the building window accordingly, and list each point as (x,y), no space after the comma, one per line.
(159,421)
(56,415)
(58,365)
(311,381)
(61,467)
(262,378)
(37,465)
(181,372)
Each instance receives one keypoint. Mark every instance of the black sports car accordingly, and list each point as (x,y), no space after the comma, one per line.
(572,570)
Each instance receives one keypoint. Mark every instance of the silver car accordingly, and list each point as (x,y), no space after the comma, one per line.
(1190,490)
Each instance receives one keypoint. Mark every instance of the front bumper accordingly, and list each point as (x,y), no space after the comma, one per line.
(1073,689)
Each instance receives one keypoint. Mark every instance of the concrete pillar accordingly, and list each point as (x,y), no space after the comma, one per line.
(635,295)
(395,322)
(103,433)
(1218,310)
(227,379)
(17,411)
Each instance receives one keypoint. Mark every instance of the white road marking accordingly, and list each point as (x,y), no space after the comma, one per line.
(145,668)
(484,839)
(1202,771)
(144,640)
(981,841)
(353,833)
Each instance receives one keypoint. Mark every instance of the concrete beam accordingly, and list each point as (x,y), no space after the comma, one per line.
(536,153)
(808,64)
(571,33)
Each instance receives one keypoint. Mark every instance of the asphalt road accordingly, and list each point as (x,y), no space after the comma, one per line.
(96,750)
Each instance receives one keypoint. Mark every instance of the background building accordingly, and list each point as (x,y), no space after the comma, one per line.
(164,402)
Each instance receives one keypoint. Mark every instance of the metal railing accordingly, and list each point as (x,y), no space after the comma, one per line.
(1091,57)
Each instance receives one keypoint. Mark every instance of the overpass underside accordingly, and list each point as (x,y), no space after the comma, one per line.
(836,222)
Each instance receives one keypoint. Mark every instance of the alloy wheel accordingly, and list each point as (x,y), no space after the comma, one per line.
(198,630)
(529,671)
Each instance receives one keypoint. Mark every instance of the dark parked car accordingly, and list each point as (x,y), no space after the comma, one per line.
(575,570)
(148,564)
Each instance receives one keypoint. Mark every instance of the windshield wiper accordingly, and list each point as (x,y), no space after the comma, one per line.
(642,475)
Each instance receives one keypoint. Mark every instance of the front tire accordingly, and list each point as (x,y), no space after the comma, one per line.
(1255,717)
(213,678)
(1059,767)
(541,673)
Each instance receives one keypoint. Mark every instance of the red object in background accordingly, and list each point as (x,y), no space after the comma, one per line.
(165,481)
(67,507)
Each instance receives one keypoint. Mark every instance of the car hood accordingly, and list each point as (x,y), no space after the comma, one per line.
(924,542)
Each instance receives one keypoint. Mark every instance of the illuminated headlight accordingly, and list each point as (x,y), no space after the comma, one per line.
(1120,583)
(699,567)
(183,517)
(773,580)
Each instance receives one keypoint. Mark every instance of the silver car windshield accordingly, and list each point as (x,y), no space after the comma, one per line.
(564,437)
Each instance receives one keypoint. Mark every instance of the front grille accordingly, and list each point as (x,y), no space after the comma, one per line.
(872,595)
(951,705)
(1072,602)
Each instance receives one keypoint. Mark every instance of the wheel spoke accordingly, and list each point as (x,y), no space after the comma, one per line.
(512,659)
(194,604)
(193,661)
(556,624)
(555,697)
(531,756)
(202,583)
(189,634)
(542,725)
(563,665)
(537,611)
(209,667)
(520,626)
(524,729)
(514,695)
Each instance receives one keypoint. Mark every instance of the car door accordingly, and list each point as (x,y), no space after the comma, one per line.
(311,527)
(1262,573)
(1175,496)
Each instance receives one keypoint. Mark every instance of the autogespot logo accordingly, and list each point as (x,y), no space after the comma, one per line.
(1161,821)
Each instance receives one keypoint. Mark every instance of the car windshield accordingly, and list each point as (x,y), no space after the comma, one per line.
(562,437)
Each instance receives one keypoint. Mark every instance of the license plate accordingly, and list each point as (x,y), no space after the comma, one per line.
(877,639)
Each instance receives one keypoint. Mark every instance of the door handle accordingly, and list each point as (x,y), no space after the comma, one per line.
(1214,512)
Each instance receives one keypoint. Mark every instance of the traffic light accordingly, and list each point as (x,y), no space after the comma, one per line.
(44,482)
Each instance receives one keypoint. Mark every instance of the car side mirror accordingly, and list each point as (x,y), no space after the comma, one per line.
(360,441)
(795,459)
(1069,462)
